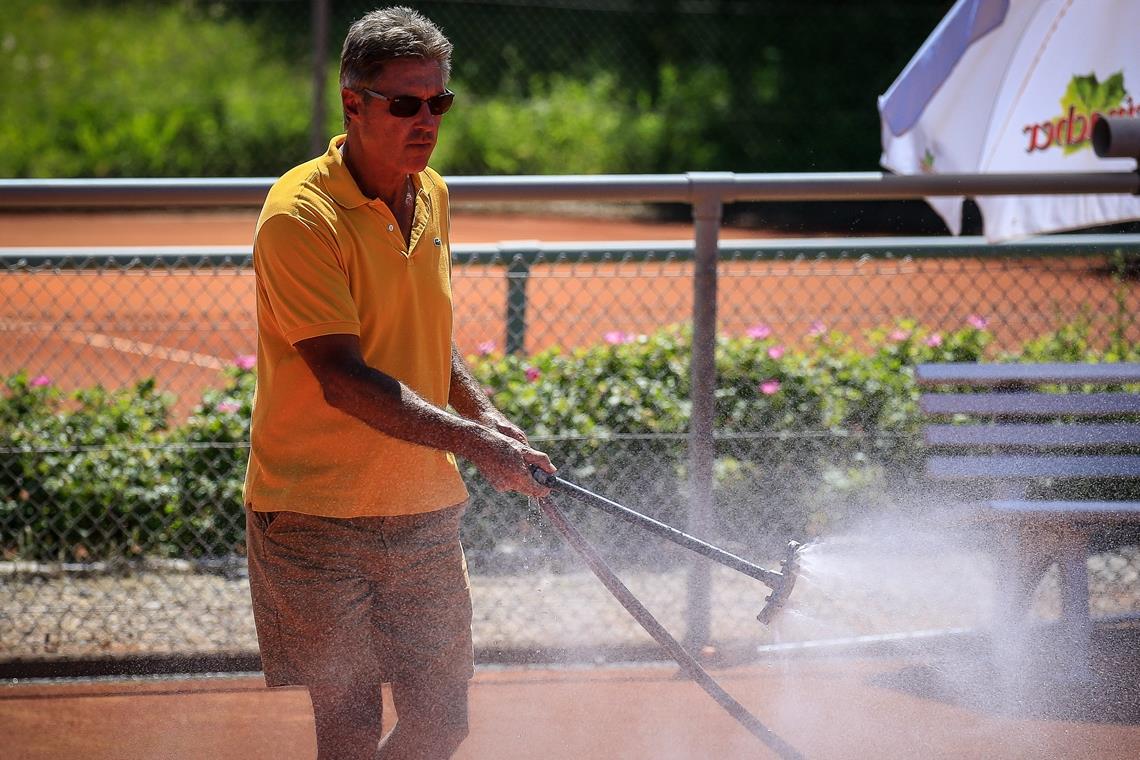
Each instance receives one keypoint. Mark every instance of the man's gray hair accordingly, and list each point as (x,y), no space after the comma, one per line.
(385,34)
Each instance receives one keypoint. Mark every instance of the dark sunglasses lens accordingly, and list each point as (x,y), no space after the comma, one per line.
(405,106)
(441,104)
(408,106)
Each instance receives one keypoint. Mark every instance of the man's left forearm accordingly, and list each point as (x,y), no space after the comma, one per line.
(467,396)
(469,400)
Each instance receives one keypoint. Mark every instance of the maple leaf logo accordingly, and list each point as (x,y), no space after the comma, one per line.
(1086,96)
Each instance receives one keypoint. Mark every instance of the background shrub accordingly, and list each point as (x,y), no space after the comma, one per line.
(807,436)
(145,90)
(223,87)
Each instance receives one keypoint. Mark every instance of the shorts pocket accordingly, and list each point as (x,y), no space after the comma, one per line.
(262,520)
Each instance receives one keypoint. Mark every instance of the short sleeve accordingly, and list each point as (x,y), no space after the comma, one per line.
(302,280)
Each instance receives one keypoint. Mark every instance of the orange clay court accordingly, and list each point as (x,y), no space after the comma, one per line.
(131,324)
(827,705)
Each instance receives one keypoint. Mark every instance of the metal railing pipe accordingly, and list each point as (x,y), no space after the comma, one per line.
(665,188)
(864,186)
(63,194)
(676,188)
(765,249)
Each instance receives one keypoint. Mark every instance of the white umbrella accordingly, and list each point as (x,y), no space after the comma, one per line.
(1015,86)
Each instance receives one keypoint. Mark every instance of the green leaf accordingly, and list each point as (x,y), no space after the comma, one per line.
(1087,95)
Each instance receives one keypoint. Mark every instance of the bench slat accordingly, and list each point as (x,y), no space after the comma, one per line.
(1045,436)
(1017,404)
(998,467)
(983,375)
(1099,511)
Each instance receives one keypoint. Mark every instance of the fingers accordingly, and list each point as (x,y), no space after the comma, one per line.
(518,477)
(500,424)
(535,457)
(511,431)
(508,469)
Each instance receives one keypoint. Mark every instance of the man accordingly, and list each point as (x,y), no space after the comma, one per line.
(353,495)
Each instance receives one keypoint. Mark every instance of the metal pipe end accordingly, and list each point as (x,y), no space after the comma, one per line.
(789,570)
(542,477)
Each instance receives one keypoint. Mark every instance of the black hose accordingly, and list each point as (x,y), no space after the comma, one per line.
(687,662)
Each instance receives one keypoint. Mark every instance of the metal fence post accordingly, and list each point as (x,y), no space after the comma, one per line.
(318,140)
(708,207)
(518,260)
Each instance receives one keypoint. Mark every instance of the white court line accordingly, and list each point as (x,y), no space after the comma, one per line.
(139,348)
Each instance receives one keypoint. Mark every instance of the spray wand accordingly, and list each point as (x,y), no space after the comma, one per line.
(637,610)
(781,582)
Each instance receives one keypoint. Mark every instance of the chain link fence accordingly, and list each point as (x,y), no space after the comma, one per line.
(129,384)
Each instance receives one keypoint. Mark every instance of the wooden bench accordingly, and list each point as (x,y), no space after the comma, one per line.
(1001,432)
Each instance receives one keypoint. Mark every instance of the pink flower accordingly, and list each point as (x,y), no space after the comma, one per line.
(768,387)
(898,336)
(488,390)
(227,407)
(532,374)
(245,361)
(39,381)
(775,352)
(486,348)
(977,321)
(934,340)
(617,337)
(758,332)
(817,328)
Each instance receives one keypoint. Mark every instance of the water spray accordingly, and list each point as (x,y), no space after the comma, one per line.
(781,584)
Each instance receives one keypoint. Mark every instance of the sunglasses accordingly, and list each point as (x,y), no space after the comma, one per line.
(407,106)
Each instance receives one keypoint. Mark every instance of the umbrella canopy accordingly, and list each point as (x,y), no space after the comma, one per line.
(1016,86)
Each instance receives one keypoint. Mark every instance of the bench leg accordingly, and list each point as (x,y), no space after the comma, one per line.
(1026,552)
(1016,573)
(1076,622)
(1023,553)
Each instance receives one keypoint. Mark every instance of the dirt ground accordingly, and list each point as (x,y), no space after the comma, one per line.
(235,227)
(182,326)
(825,707)
(915,706)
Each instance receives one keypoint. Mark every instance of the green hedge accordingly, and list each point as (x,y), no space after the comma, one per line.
(136,90)
(815,427)
(125,92)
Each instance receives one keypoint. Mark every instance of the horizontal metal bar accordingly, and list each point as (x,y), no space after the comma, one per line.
(1004,467)
(1046,436)
(94,257)
(1030,404)
(536,252)
(675,188)
(205,192)
(1069,511)
(988,375)
(877,186)
(683,188)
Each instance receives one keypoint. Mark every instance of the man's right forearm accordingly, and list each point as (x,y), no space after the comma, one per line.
(387,405)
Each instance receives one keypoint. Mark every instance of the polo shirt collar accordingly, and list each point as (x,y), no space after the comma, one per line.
(343,188)
(338,180)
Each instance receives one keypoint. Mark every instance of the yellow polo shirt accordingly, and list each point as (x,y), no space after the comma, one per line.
(328,260)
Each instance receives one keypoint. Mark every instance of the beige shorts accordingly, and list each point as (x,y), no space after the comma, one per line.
(381,599)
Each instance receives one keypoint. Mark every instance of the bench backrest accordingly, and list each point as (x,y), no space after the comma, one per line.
(1005,426)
